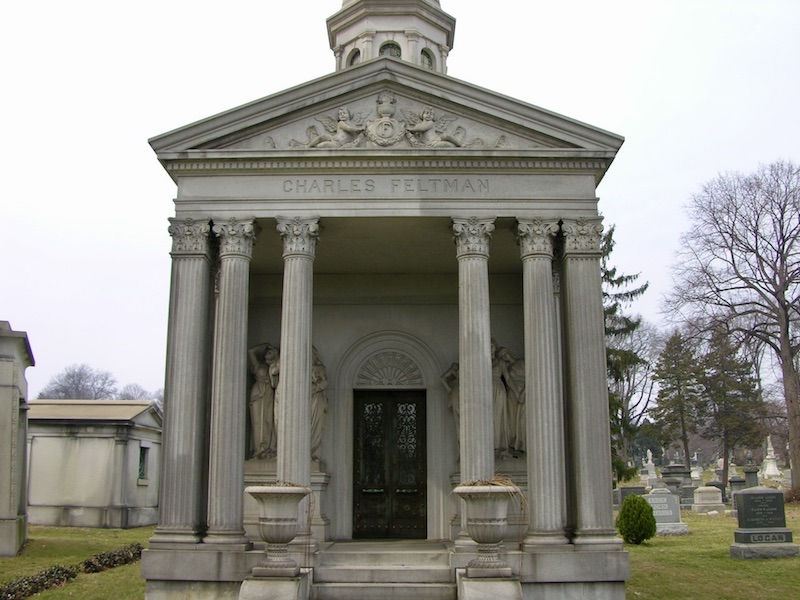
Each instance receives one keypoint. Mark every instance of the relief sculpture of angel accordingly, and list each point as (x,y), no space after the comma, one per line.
(426,130)
(347,132)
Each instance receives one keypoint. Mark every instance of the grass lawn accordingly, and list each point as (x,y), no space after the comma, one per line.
(68,546)
(699,565)
(696,566)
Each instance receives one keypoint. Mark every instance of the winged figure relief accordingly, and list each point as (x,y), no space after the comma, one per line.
(427,130)
(346,132)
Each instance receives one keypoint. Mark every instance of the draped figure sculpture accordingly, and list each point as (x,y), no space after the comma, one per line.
(262,401)
(501,384)
(516,399)
(319,403)
(449,380)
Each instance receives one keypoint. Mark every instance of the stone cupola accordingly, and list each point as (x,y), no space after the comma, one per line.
(416,31)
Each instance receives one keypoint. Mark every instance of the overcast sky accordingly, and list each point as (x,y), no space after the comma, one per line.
(697,87)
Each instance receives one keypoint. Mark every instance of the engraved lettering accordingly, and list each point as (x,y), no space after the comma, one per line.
(450,185)
(328,183)
(287,186)
(370,187)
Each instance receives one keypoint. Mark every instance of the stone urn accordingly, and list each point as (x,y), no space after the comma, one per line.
(487,520)
(277,526)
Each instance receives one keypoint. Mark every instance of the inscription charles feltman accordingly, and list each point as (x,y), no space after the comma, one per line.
(386,186)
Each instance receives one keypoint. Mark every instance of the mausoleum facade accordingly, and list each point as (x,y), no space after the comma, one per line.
(386,282)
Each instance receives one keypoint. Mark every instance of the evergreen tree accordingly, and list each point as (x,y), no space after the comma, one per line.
(680,394)
(734,407)
(627,365)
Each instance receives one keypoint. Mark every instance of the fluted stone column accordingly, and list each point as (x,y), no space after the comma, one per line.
(229,384)
(294,384)
(587,391)
(472,238)
(543,396)
(183,487)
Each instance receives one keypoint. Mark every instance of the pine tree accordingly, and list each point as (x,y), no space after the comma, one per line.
(680,394)
(624,361)
(735,409)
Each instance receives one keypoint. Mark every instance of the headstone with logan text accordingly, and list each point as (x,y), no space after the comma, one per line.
(762,531)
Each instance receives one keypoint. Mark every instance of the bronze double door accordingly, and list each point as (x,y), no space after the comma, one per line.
(389,479)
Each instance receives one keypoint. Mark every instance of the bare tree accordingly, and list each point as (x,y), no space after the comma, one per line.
(80,382)
(740,264)
(133,391)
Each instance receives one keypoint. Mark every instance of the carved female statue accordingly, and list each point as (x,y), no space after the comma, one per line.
(501,383)
(262,401)
(516,398)
(319,403)
(449,380)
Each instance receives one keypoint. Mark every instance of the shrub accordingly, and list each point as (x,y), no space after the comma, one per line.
(24,587)
(636,522)
(108,560)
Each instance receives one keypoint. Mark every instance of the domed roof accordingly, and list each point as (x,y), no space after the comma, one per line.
(415,31)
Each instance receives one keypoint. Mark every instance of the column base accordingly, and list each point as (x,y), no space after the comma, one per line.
(544,541)
(600,540)
(227,541)
(175,536)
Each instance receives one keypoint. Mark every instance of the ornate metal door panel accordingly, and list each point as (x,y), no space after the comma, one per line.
(389,479)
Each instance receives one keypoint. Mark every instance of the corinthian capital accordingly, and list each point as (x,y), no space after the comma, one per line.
(582,236)
(299,235)
(236,237)
(189,236)
(535,237)
(472,236)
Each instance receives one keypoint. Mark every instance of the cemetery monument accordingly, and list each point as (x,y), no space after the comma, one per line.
(337,248)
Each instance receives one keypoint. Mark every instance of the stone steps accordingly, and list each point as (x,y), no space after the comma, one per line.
(394,571)
(384,591)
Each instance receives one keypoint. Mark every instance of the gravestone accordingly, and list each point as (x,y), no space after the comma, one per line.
(667,511)
(770,467)
(687,496)
(707,499)
(762,531)
(720,486)
(673,484)
(737,485)
(750,476)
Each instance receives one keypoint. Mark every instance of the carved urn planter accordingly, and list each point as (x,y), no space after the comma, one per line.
(277,526)
(487,520)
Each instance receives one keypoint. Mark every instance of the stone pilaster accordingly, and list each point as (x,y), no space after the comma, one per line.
(294,384)
(229,384)
(472,238)
(543,388)
(182,494)
(587,392)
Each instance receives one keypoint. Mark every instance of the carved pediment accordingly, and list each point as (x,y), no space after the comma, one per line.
(385,105)
(384,120)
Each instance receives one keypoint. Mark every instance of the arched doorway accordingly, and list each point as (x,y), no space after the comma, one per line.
(396,371)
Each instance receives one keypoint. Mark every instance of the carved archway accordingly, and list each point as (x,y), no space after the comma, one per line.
(392,360)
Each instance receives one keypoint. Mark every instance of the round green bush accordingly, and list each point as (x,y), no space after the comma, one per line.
(636,522)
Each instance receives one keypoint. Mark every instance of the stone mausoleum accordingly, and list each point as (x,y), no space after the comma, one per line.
(386,282)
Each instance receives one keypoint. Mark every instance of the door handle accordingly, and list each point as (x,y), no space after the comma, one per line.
(406,491)
(372,490)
